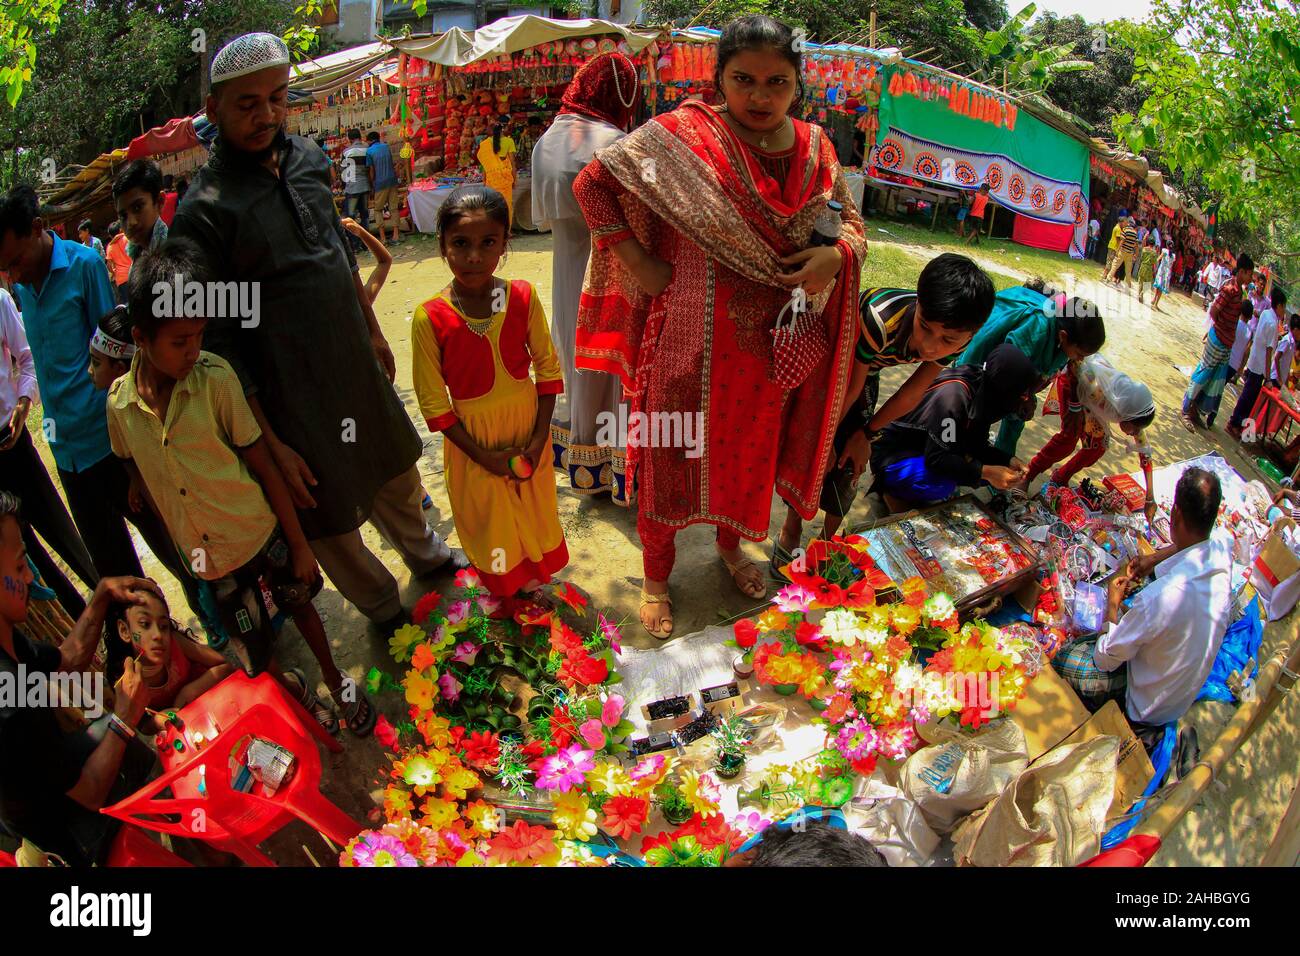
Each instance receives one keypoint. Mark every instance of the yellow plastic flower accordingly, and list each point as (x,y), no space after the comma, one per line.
(608,777)
(772,620)
(459,782)
(435,730)
(397,802)
(420,772)
(573,816)
(404,640)
(445,635)
(420,690)
(439,812)
(700,792)
(470,858)
(905,618)
(484,819)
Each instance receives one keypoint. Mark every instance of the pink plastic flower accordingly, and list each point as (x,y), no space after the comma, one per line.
(450,687)
(611,632)
(458,611)
(593,733)
(857,740)
(466,653)
(488,604)
(468,578)
(565,769)
(794,598)
(612,711)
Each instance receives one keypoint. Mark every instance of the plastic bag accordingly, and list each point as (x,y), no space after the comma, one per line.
(1052,814)
(961,772)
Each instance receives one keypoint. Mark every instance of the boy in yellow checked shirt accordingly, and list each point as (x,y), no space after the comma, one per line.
(180,419)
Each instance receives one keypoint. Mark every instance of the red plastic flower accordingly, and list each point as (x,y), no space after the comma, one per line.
(746,633)
(424,607)
(385,732)
(625,816)
(588,670)
(564,640)
(828,595)
(520,843)
(710,832)
(565,592)
(482,749)
(533,750)
(810,635)
(531,616)
(861,593)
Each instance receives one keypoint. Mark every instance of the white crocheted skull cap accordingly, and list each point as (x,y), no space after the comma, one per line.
(248,54)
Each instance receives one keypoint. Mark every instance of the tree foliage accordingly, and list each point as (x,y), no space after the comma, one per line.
(1021,57)
(113,67)
(1220,78)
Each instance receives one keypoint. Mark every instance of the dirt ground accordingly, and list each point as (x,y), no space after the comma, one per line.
(1234,823)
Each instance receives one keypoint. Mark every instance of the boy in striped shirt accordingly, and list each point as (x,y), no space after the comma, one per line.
(926,328)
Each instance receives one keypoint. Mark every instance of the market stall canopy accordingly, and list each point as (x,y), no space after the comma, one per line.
(508,35)
(172,137)
(326,73)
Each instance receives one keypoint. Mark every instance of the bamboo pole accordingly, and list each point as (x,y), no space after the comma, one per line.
(872,30)
(1275,679)
(1285,848)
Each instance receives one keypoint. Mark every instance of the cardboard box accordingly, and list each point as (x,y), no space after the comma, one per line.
(1051,715)
(724,700)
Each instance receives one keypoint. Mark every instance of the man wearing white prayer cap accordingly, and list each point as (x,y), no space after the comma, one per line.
(314,363)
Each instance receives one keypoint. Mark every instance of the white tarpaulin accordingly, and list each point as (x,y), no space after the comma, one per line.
(508,35)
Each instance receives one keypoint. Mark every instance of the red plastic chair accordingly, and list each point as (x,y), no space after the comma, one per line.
(1133,852)
(231,821)
(132,847)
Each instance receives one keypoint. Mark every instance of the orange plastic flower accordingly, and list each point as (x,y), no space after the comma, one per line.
(772,620)
(423,658)
(913,591)
(520,843)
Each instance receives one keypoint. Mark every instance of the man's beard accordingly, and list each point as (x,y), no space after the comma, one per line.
(277,142)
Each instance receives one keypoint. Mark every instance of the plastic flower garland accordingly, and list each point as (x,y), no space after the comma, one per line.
(874,690)
(455,743)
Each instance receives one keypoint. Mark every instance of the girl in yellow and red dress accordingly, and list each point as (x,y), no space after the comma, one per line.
(472,347)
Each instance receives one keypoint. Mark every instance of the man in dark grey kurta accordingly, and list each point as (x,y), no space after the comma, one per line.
(261,211)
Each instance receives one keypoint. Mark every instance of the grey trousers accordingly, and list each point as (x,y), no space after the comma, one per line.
(360,576)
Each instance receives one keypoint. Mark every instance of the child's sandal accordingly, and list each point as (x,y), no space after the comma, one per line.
(314,705)
(664,631)
(360,714)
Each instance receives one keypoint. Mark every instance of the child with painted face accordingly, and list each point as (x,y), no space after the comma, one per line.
(472,347)
(174,668)
(180,420)
(111,348)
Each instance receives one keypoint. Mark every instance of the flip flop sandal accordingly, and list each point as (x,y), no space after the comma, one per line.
(647,598)
(360,714)
(780,558)
(314,705)
(742,565)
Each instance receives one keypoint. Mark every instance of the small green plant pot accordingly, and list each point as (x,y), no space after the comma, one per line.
(729,766)
(818,704)
(677,817)
(785,690)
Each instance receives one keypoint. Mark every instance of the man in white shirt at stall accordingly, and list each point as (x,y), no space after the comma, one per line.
(1157,656)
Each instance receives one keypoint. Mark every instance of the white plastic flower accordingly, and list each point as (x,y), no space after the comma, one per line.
(841,626)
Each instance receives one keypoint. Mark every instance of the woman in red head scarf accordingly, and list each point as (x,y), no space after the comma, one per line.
(597,109)
(703,238)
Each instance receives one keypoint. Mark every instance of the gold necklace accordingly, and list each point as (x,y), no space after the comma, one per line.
(476,325)
(741,132)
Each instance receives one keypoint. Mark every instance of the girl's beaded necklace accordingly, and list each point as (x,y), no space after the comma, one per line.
(478,326)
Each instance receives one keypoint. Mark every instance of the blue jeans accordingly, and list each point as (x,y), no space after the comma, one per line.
(357,206)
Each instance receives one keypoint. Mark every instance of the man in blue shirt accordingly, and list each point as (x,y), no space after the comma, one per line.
(63,291)
(383,181)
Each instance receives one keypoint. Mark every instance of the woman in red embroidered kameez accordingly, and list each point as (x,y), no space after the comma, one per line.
(701,221)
